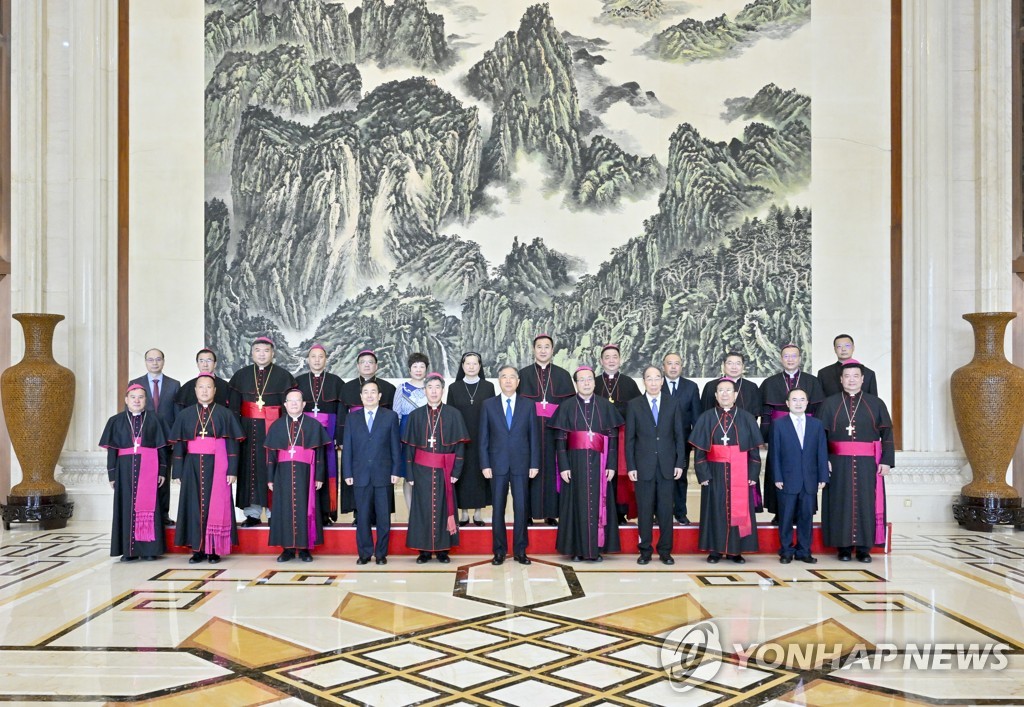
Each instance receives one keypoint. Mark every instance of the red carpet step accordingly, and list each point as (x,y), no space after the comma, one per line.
(341,540)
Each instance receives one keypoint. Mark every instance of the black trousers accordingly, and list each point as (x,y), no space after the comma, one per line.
(520,486)
(798,509)
(371,501)
(679,492)
(655,496)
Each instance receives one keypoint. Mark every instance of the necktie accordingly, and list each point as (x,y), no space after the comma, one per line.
(800,430)
(369,421)
(156,393)
(654,411)
(508,412)
(672,388)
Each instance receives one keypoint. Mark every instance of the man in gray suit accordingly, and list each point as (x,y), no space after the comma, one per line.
(161,391)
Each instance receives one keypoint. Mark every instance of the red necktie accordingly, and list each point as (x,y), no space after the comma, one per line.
(156,393)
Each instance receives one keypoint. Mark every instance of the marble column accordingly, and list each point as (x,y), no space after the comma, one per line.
(64,165)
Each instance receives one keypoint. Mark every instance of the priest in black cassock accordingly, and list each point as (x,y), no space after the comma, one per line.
(206,362)
(137,452)
(366,365)
(619,390)
(830,375)
(296,449)
(545,385)
(748,396)
(774,394)
(587,439)
(322,392)
(435,437)
(467,395)
(205,438)
(861,452)
(727,463)
(257,393)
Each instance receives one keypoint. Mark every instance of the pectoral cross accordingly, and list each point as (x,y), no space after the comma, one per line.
(431,440)
(590,436)
(202,433)
(850,429)
(611,399)
(260,403)
(138,441)
(316,409)
(291,452)
(725,439)
(544,404)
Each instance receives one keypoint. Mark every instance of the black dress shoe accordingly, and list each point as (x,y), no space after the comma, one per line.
(811,560)
(666,559)
(498,559)
(643,560)
(286,556)
(443,557)
(785,559)
(844,556)
(551,521)
(250,522)
(149,558)
(327,521)
(774,521)
(128,558)
(382,560)
(864,557)
(213,559)
(523,560)
(168,522)
(305,556)
(197,557)
(598,559)
(739,559)
(363,561)
(714,558)
(478,523)
(424,557)
(577,558)
(683,520)
(463,523)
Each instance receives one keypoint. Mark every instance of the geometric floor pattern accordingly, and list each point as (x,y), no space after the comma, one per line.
(78,627)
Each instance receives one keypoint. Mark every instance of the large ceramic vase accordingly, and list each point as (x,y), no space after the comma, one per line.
(38,397)
(988,403)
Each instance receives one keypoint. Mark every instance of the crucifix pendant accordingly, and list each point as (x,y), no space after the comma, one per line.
(850,429)
(431,440)
(260,403)
(544,404)
(316,409)
(291,452)
(138,441)
(725,439)
(590,435)
(202,433)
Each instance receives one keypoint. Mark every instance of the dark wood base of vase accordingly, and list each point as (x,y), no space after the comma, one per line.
(983,514)
(51,512)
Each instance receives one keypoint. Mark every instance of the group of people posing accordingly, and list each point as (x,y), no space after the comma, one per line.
(583,452)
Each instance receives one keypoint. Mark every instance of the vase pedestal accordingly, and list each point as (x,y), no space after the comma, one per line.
(51,512)
(983,514)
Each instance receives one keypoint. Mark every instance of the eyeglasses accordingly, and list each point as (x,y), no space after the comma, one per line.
(155,360)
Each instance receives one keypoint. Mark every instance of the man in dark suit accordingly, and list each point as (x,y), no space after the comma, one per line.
(161,391)
(509,447)
(798,453)
(372,463)
(656,457)
(687,396)
(830,375)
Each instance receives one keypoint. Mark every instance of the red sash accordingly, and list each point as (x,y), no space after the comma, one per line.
(595,443)
(221,516)
(446,462)
(145,494)
(304,456)
(268,414)
(739,486)
(867,449)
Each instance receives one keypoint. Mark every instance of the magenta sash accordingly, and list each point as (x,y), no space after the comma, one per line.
(776,414)
(596,443)
(329,420)
(145,493)
(221,516)
(304,456)
(739,485)
(867,449)
(446,462)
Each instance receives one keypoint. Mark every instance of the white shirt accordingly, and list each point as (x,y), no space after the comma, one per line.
(366,414)
(800,425)
(505,401)
(651,399)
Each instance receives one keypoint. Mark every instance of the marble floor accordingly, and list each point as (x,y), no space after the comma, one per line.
(76,626)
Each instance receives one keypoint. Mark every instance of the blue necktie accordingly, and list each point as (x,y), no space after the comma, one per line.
(654,411)
(369,421)
(508,412)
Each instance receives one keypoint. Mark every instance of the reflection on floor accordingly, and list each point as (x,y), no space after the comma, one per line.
(77,626)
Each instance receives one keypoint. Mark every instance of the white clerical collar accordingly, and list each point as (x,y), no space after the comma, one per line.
(729,409)
(542,366)
(205,405)
(794,374)
(586,400)
(611,375)
(434,407)
(136,414)
(467,379)
(317,375)
(296,418)
(260,368)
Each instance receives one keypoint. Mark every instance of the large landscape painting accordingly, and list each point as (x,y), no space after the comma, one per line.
(449,176)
